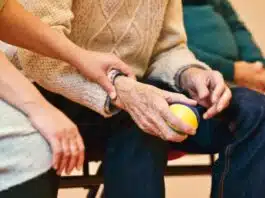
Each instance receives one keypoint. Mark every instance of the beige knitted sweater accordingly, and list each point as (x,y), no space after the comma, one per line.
(147,34)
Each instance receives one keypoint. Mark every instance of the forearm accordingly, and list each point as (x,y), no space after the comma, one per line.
(17,90)
(19,27)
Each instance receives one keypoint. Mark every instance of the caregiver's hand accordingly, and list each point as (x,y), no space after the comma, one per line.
(61,133)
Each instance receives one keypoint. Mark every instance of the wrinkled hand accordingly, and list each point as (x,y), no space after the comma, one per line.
(250,75)
(63,136)
(149,108)
(208,88)
(95,66)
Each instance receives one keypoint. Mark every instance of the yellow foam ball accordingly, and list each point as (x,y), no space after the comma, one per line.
(185,114)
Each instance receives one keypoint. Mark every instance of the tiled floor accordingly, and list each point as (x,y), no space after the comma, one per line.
(176,187)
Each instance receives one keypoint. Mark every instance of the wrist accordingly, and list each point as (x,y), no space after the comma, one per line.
(124,83)
(75,58)
(33,108)
(123,86)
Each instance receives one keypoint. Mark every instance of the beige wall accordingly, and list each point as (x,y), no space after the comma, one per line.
(253,13)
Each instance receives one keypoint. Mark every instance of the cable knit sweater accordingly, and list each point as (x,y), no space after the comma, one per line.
(147,34)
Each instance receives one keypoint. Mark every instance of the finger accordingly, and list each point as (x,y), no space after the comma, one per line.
(153,124)
(81,156)
(177,123)
(57,152)
(211,112)
(219,106)
(121,66)
(167,132)
(73,157)
(140,119)
(224,100)
(218,86)
(178,98)
(202,91)
(65,155)
(106,84)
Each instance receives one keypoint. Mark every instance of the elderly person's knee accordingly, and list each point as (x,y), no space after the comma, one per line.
(244,99)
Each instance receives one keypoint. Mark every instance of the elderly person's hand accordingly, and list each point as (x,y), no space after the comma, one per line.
(149,108)
(208,88)
(250,75)
(61,133)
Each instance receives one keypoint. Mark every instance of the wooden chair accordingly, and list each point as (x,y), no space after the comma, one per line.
(93,182)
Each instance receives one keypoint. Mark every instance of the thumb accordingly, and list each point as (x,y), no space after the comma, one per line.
(172,98)
(124,68)
(106,84)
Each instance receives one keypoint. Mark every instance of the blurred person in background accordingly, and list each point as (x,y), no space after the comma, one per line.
(37,139)
(219,38)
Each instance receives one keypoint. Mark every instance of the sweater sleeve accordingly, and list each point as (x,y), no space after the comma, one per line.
(248,49)
(171,55)
(223,65)
(54,75)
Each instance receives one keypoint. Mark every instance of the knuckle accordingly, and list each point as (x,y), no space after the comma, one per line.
(75,153)
(59,134)
(181,96)
(218,74)
(82,147)
(67,153)
(58,152)
(159,108)
(72,135)
(177,138)
(170,137)
(74,127)
(145,128)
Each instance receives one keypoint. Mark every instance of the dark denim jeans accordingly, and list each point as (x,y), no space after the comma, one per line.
(134,162)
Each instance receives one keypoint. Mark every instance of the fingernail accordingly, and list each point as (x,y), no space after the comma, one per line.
(112,95)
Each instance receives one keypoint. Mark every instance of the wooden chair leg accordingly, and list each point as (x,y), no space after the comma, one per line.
(212,159)
(93,191)
(102,194)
